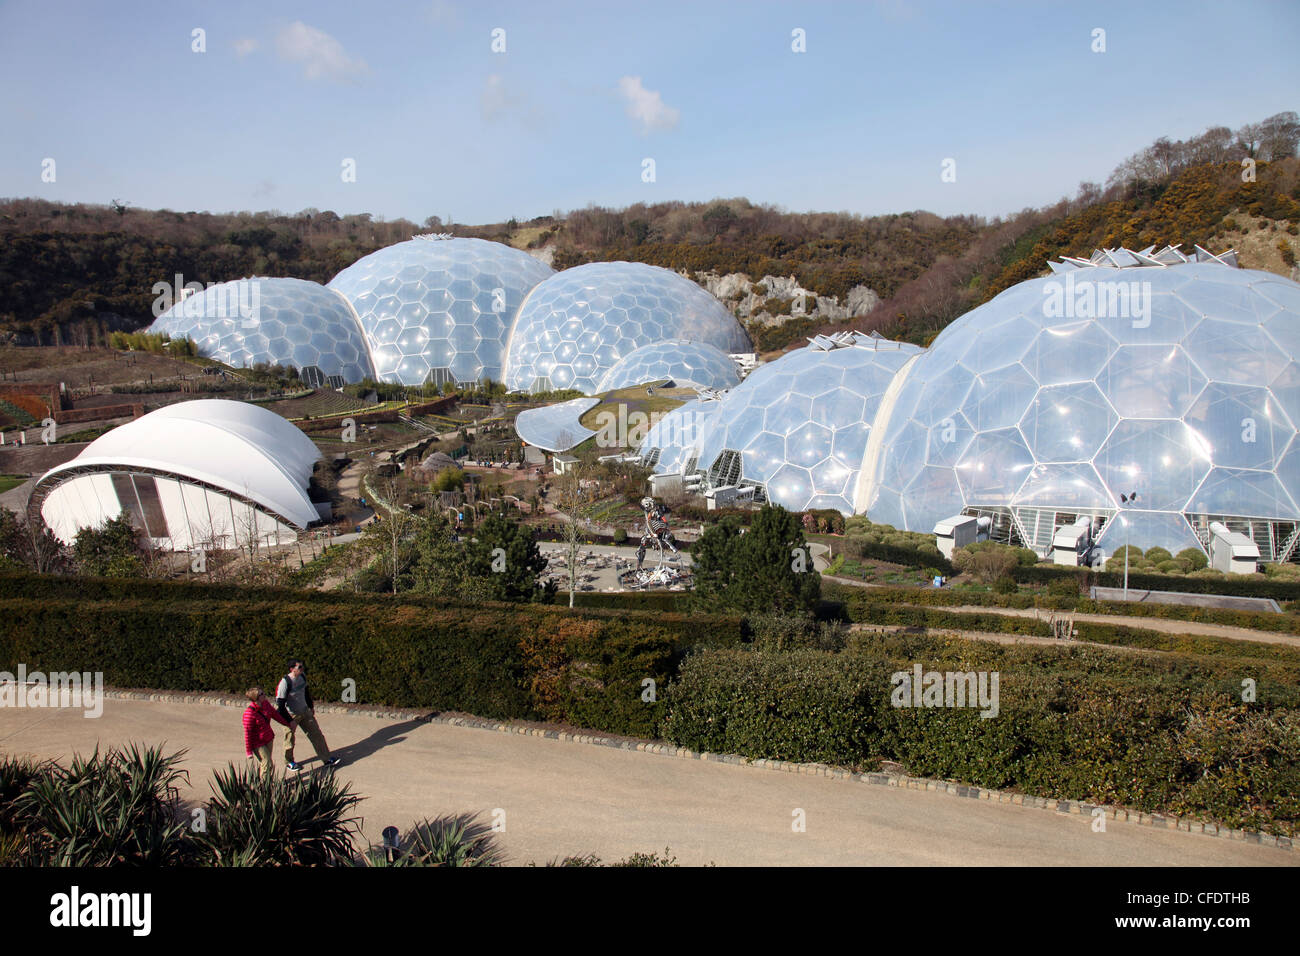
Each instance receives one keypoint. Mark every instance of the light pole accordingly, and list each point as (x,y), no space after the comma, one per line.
(1126,500)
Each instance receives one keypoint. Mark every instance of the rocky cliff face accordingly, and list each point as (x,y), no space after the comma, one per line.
(775,299)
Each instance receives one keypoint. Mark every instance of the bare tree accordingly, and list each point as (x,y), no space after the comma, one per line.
(395,523)
(568,497)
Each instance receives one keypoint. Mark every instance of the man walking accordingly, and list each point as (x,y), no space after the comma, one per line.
(293,701)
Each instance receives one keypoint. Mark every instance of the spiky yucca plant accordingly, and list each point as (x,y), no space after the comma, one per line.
(121,808)
(16,774)
(255,820)
(445,841)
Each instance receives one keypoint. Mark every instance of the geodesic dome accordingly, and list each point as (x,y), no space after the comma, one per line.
(798,426)
(578,324)
(670,442)
(683,363)
(277,321)
(439,309)
(1129,372)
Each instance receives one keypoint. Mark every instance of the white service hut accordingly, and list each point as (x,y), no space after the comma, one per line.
(1232,551)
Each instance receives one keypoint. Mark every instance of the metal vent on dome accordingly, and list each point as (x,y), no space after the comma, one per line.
(1121,258)
(850,339)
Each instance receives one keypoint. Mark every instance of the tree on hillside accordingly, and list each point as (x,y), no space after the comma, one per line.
(767,569)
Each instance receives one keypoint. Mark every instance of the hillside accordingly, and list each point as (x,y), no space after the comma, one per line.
(74,273)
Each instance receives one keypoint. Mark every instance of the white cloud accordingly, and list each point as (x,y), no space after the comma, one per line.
(647,107)
(441,11)
(495,99)
(244,46)
(500,100)
(320,54)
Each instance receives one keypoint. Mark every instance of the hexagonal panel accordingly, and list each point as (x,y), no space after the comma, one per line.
(1243,427)
(1163,461)
(1067,422)
(1150,381)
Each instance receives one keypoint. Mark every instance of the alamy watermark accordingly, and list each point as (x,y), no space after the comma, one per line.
(59,689)
(918,688)
(1098,299)
(216,300)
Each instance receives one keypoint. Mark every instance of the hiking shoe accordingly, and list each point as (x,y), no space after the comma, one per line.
(294,766)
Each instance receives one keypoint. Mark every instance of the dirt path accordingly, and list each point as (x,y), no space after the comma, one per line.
(556,798)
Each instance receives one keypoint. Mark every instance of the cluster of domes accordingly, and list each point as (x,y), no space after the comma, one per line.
(453,310)
(1171,377)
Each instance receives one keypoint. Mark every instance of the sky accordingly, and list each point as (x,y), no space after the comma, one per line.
(478,111)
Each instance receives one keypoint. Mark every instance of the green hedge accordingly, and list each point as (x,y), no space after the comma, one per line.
(894,554)
(1281,662)
(1160,735)
(1287,623)
(495,660)
(1229,585)
(668,601)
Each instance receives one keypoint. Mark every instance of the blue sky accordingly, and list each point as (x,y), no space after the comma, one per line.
(439,124)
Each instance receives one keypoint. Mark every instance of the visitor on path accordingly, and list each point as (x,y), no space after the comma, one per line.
(294,702)
(258,735)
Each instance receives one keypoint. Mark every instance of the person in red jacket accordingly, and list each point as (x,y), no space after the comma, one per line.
(258,735)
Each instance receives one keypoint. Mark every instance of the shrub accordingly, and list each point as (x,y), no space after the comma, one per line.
(1006,585)
(446,841)
(119,808)
(993,565)
(756,571)
(1064,587)
(651,859)
(1157,555)
(259,820)
(1154,734)
(776,632)
(16,774)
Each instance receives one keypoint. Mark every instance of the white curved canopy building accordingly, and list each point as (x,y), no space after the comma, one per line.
(206,474)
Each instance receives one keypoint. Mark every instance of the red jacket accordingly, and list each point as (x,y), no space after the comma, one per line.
(257,725)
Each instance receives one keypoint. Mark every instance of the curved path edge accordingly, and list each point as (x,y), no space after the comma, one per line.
(899,781)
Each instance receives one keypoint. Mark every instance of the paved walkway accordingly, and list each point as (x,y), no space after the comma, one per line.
(561,797)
